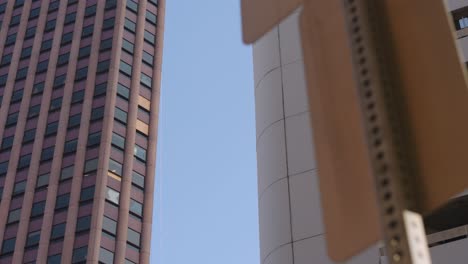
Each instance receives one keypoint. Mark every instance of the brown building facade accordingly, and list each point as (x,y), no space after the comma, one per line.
(79,89)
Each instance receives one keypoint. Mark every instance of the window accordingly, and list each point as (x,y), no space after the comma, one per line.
(90,11)
(11,119)
(7,142)
(138,180)
(29,135)
(140,153)
(67,172)
(55,259)
(133,237)
(55,104)
(115,167)
(63,59)
(87,31)
(17,96)
(97,113)
(87,194)
(77,96)
(136,208)
(67,38)
(6,59)
(100,89)
(132,6)
(83,223)
(90,166)
(3,79)
(53,6)
(22,73)
(150,37)
(84,52)
(34,111)
(15,20)
(129,262)
(111,4)
(20,187)
(109,225)
(10,40)
(70,146)
(30,32)
(42,180)
(112,196)
(79,254)
(123,91)
(51,128)
(129,25)
(62,201)
(3,168)
(74,120)
(150,17)
(26,52)
(42,66)
(46,45)
(148,58)
(81,74)
(103,66)
(24,162)
(33,238)
(50,25)
(94,139)
(14,216)
(38,209)
(70,18)
(47,154)
(106,44)
(106,256)
(127,46)
(108,24)
(146,80)
(120,115)
(8,246)
(58,231)
(118,141)
(59,81)
(126,68)
(38,88)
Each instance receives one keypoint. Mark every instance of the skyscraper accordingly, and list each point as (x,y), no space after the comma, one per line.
(290,212)
(79,88)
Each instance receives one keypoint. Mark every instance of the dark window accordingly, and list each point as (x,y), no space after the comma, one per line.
(38,209)
(84,52)
(2,8)
(55,259)
(150,37)
(51,128)
(30,32)
(14,216)
(17,96)
(38,88)
(111,4)
(46,45)
(74,120)
(129,262)
(55,104)
(94,139)
(70,146)
(42,180)
(33,238)
(67,172)
(127,46)
(108,24)
(148,58)
(29,135)
(58,231)
(120,115)
(106,256)
(115,167)
(8,246)
(34,111)
(77,96)
(15,20)
(125,68)
(133,237)
(100,89)
(63,59)
(90,166)
(11,119)
(20,187)
(118,141)
(87,31)
(24,162)
(62,201)
(123,91)
(26,52)
(3,79)
(109,225)
(130,25)
(79,254)
(6,59)
(47,154)
(81,74)
(103,66)
(136,208)
(22,73)
(60,80)
(146,80)
(150,17)
(70,18)
(67,38)
(18,3)
(10,40)
(90,11)
(54,6)
(7,142)
(42,66)
(3,168)
(97,113)
(131,5)
(87,194)
(106,44)
(138,180)
(83,223)
(50,25)
(112,196)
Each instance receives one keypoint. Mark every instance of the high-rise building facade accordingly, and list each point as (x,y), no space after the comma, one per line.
(290,212)
(79,89)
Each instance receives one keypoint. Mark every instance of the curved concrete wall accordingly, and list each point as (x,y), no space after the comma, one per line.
(291,228)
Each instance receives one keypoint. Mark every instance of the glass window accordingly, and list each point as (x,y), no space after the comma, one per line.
(19,187)
(150,17)
(67,38)
(50,25)
(140,153)
(120,115)
(53,6)
(94,139)
(33,238)
(14,216)
(7,142)
(100,89)
(79,254)
(47,154)
(132,6)
(136,208)
(146,80)
(67,173)
(22,73)
(109,225)
(38,88)
(90,11)
(123,91)
(3,79)
(115,167)
(148,58)
(15,20)
(78,96)
(62,201)
(125,68)
(84,52)
(87,31)
(83,223)
(3,167)
(112,196)
(133,237)
(58,231)
(130,25)
(60,80)
(106,44)
(97,113)
(11,119)
(42,180)
(55,104)
(90,166)
(138,180)
(6,59)
(24,162)
(70,146)
(30,32)
(51,128)
(26,52)
(81,74)
(129,262)
(108,24)
(10,40)
(46,45)
(150,37)
(42,66)
(34,111)
(8,245)
(118,141)
(29,135)
(128,46)
(63,59)
(55,259)
(70,18)
(74,120)
(34,13)
(103,66)
(17,96)
(38,209)
(87,194)
(106,256)
(110,4)
(2,8)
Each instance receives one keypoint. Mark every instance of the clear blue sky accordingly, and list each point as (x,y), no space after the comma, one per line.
(206,201)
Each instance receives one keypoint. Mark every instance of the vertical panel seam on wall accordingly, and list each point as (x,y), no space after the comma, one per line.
(286,145)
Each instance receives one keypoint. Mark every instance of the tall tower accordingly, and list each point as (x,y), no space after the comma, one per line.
(79,89)
(290,212)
